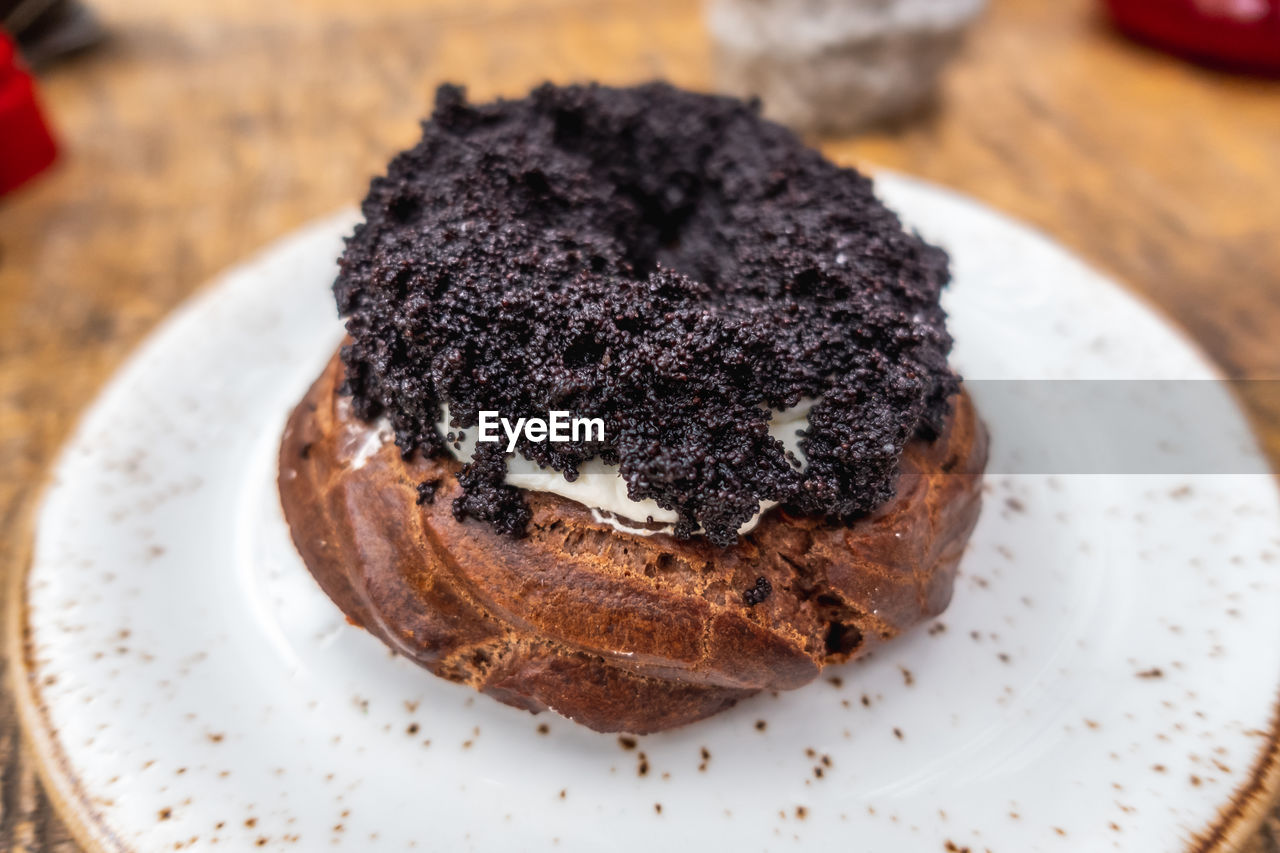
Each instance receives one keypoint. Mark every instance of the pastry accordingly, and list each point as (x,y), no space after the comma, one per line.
(836,66)
(785,472)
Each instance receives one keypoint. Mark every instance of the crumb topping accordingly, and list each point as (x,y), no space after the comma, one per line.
(669,262)
(758,593)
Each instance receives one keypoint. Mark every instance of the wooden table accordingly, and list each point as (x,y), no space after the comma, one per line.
(194,138)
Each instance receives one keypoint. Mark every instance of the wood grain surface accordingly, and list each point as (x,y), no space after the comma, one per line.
(205,129)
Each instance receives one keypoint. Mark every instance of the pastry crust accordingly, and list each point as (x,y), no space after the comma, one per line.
(617,631)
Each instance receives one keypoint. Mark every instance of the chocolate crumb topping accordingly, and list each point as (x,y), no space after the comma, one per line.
(758,593)
(427,491)
(666,261)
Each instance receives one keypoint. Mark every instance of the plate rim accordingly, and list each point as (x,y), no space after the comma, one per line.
(36,732)
(1237,818)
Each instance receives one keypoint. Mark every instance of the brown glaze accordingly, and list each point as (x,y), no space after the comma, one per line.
(616,631)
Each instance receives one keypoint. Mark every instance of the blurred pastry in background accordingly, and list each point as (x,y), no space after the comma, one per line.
(832,66)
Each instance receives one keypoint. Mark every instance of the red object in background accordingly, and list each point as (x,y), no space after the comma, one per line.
(1244,34)
(26,146)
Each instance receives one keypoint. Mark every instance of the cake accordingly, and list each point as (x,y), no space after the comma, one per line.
(836,66)
(786,470)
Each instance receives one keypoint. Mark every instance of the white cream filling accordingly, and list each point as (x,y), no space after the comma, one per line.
(378,436)
(600,488)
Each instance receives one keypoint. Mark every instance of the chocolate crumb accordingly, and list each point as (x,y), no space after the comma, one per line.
(760,725)
(543,729)
(666,261)
(758,593)
(626,742)
(427,491)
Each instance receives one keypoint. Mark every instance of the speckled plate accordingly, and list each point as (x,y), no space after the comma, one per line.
(1106,677)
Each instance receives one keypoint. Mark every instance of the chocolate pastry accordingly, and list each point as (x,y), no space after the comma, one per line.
(617,631)
(678,269)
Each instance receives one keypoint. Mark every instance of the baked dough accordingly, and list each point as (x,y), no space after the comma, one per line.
(617,631)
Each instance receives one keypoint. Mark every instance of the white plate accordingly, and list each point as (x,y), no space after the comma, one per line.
(187,683)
